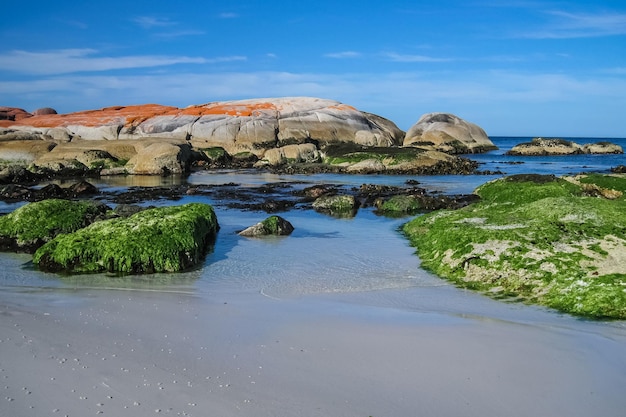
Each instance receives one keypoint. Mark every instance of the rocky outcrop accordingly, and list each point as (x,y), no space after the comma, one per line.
(602,148)
(337,205)
(447,133)
(161,159)
(245,125)
(12,114)
(154,140)
(30,226)
(273,225)
(43,111)
(536,239)
(165,239)
(555,146)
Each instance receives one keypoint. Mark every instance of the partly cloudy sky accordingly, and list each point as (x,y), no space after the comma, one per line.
(515,67)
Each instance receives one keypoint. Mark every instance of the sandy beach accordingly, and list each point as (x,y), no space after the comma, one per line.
(141,352)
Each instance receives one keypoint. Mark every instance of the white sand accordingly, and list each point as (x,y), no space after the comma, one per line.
(142,353)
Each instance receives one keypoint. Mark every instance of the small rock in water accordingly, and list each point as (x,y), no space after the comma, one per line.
(273,225)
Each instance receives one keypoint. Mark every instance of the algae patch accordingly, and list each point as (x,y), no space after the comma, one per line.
(32,225)
(541,240)
(167,239)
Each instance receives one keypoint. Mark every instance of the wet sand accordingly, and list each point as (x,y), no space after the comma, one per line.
(84,352)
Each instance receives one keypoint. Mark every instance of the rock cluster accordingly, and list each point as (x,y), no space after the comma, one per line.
(544,147)
(154,139)
(551,241)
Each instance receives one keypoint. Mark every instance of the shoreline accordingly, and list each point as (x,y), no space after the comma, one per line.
(140,353)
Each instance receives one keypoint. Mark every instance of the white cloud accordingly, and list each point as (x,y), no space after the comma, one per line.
(344,54)
(508,102)
(180,34)
(148,22)
(580,25)
(66,61)
(395,57)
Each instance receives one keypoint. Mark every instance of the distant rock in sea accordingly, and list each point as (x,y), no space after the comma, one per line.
(555,146)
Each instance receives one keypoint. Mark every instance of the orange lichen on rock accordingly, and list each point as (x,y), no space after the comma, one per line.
(229,109)
(127,115)
(342,107)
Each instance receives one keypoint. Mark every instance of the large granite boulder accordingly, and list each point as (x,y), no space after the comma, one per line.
(237,126)
(161,159)
(12,114)
(44,110)
(448,133)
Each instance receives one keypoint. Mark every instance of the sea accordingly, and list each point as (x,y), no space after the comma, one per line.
(324,254)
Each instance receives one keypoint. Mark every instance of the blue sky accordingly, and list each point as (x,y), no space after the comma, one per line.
(518,68)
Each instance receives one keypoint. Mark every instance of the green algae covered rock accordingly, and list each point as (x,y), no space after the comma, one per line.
(337,205)
(32,225)
(272,226)
(399,205)
(166,239)
(538,239)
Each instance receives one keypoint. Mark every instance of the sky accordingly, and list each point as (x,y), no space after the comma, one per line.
(514,67)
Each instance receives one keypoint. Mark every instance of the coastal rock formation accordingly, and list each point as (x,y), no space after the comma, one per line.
(544,147)
(165,239)
(153,139)
(273,225)
(13,113)
(43,111)
(245,125)
(337,205)
(29,227)
(602,148)
(448,133)
(540,239)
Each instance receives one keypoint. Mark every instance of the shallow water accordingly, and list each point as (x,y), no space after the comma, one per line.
(324,254)
(336,319)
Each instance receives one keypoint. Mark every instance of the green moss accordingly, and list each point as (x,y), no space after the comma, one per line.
(400,205)
(611,182)
(351,154)
(271,224)
(214,153)
(541,242)
(341,205)
(165,239)
(30,226)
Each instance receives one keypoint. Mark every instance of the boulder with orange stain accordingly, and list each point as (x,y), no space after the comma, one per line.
(238,126)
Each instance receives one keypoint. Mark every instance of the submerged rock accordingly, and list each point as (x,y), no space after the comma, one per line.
(542,241)
(166,239)
(273,225)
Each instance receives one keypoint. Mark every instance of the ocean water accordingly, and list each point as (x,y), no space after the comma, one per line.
(324,255)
